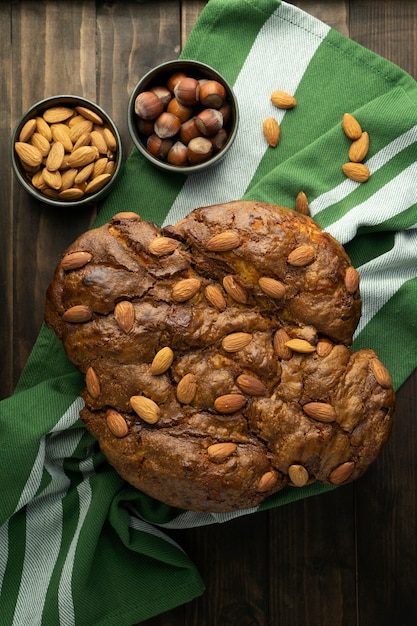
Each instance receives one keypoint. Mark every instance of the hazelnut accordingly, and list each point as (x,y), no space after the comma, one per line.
(148,106)
(186,91)
(163,94)
(180,110)
(167,125)
(209,122)
(177,154)
(226,111)
(199,150)
(174,79)
(145,127)
(212,94)
(188,131)
(219,139)
(158,147)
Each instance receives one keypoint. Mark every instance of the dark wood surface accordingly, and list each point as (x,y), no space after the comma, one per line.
(347,558)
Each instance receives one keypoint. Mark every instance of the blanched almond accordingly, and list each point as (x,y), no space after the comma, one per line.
(162,361)
(75,260)
(185,289)
(116,423)
(187,388)
(219,452)
(146,408)
(223,242)
(92,382)
(236,341)
(229,403)
(300,345)
(320,411)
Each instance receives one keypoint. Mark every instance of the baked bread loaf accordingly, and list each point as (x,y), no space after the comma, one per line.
(216,354)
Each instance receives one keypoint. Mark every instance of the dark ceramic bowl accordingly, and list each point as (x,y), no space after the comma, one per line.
(30,174)
(140,129)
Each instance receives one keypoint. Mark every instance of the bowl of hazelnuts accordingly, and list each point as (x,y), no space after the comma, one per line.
(183,116)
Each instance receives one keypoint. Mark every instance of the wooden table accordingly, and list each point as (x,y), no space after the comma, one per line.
(345,558)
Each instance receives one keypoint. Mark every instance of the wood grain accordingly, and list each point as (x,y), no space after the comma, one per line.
(347,558)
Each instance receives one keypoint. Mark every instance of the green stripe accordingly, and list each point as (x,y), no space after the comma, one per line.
(13,572)
(395,343)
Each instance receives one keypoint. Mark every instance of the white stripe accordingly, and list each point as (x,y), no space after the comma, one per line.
(4,550)
(32,485)
(374,163)
(392,199)
(295,37)
(65,599)
(382,277)
(192,519)
(44,528)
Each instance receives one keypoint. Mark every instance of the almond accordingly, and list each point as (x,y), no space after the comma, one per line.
(301,256)
(235,289)
(356,171)
(90,115)
(78,130)
(41,143)
(68,178)
(324,347)
(223,242)
(27,130)
(351,279)
(273,288)
(100,167)
(359,148)
(162,361)
(81,141)
(300,345)
(320,411)
(77,313)
(251,385)
(43,128)
(351,126)
(82,156)
(97,183)
(236,341)
(61,132)
(84,173)
(298,475)
(267,481)
(271,131)
(28,154)
(57,114)
(52,178)
(281,338)
(229,403)
(381,374)
(116,423)
(342,473)
(75,260)
(283,100)
(71,193)
(185,289)
(186,389)
(301,204)
(124,314)
(92,383)
(163,245)
(219,452)
(55,157)
(214,296)
(110,139)
(146,408)
(98,141)
(38,181)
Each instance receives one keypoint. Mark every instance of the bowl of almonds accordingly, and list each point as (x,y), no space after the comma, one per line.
(66,151)
(183,116)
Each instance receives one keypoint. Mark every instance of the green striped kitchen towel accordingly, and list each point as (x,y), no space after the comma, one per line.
(77,545)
